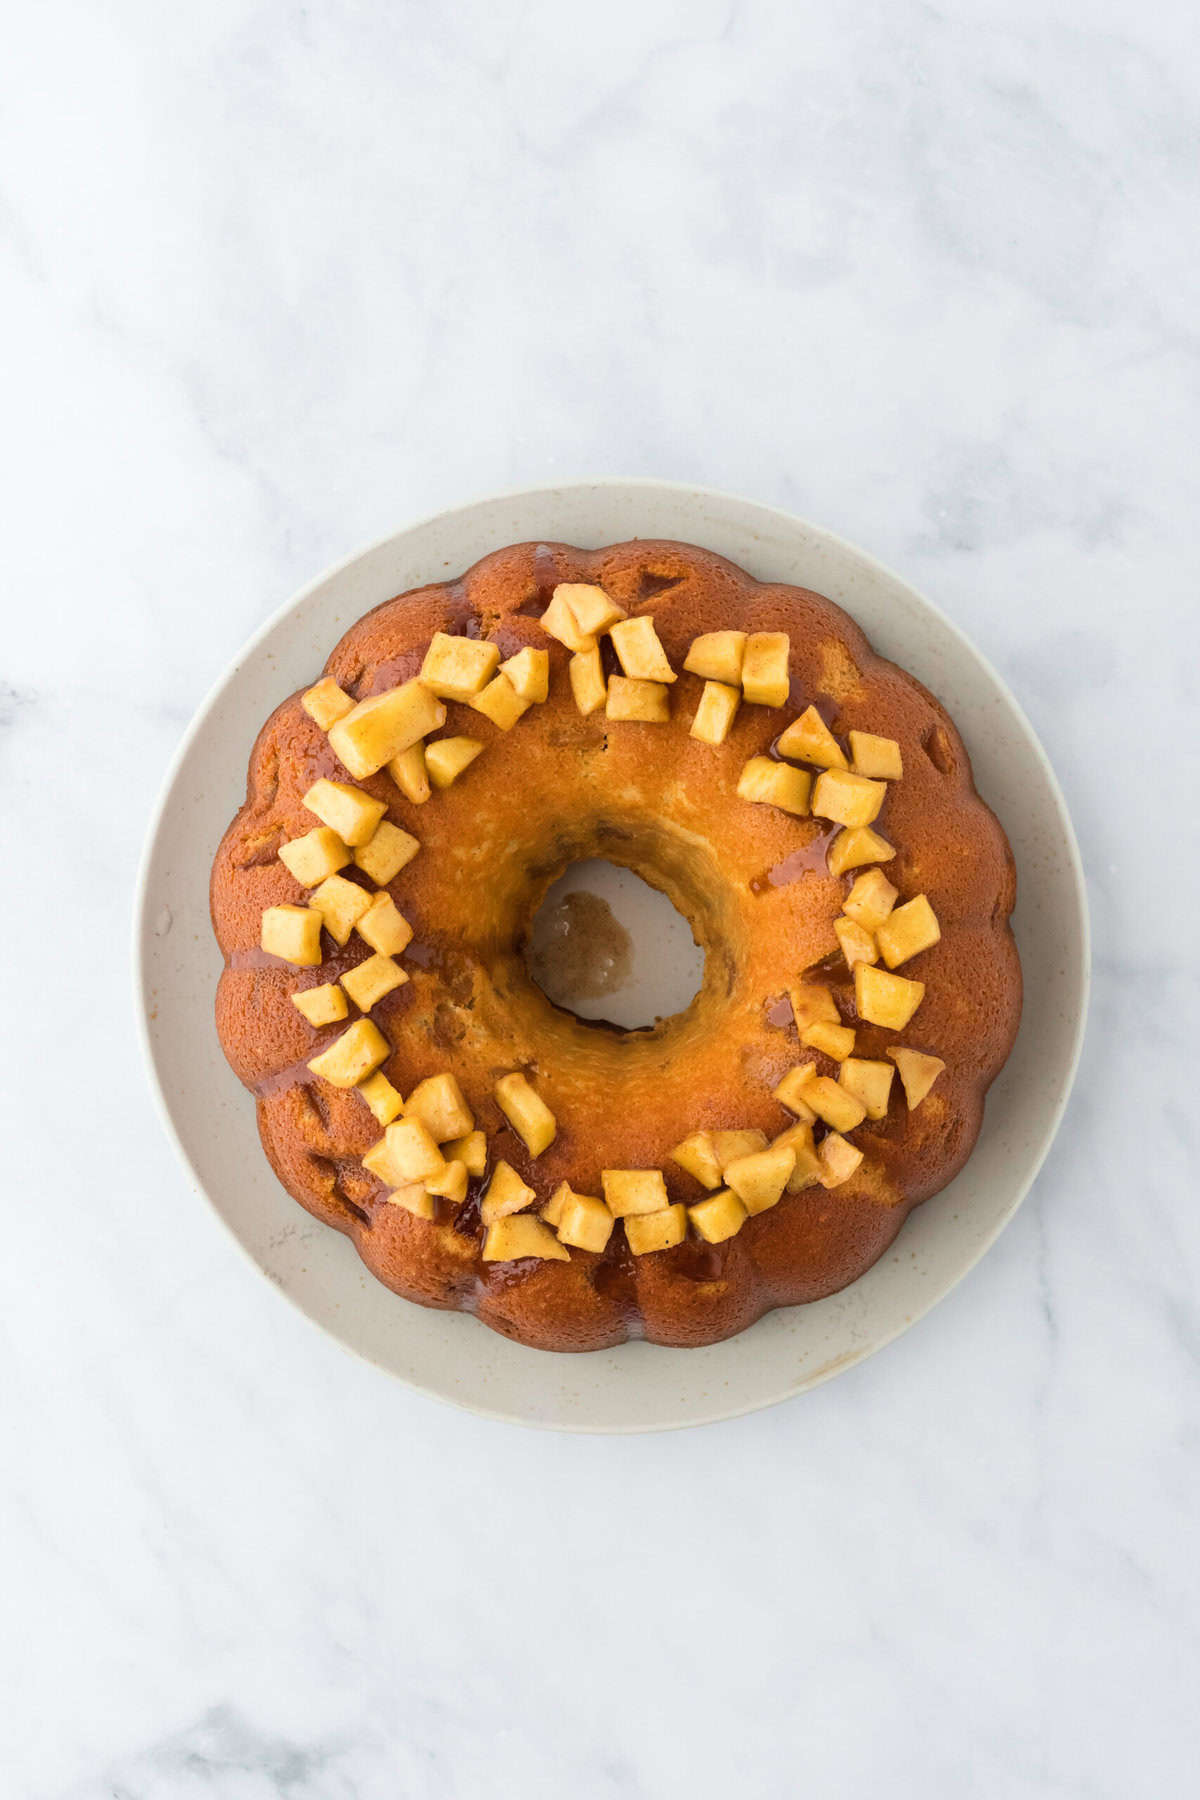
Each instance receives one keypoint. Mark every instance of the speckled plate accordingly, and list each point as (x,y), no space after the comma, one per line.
(638,1387)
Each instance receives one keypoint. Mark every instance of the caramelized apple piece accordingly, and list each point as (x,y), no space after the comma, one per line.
(384,926)
(765,668)
(353,1056)
(647,1232)
(715,713)
(634,1191)
(759,1180)
(640,651)
(907,931)
(878,757)
(441,1106)
(884,999)
(450,1184)
(870,1082)
(774,783)
(506,1193)
(588,685)
(414,1199)
(833,1104)
(809,739)
(586,1223)
(856,943)
(591,608)
(852,848)
(380,728)
(293,933)
(790,1092)
(471,1151)
(729,1145)
(341,904)
(384,1100)
(719,1217)
(526,1112)
(509,1239)
(326,703)
(806,1167)
(309,859)
(718,656)
(552,1212)
(370,981)
(918,1072)
(389,851)
(697,1156)
(811,1003)
(847,799)
(560,622)
(457,668)
(411,1151)
(345,809)
(645,701)
(870,900)
(322,1005)
(410,775)
(839,1159)
(529,672)
(836,1041)
(446,758)
(500,702)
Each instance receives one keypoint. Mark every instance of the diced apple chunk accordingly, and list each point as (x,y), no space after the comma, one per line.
(560,622)
(553,1210)
(376,1160)
(729,1145)
(648,1232)
(341,904)
(586,672)
(833,1104)
(591,608)
(870,1082)
(852,848)
(908,930)
(446,758)
(510,1239)
(345,809)
(648,702)
(806,1168)
(385,1101)
(918,1072)
(715,713)
(389,851)
(884,999)
(878,757)
(634,1191)
(414,1199)
(526,1112)
(412,1152)
(759,1180)
(309,859)
(529,672)
(457,668)
(586,1223)
(719,1217)
(847,799)
(322,1005)
(384,926)
(370,981)
(870,900)
(449,1184)
(380,728)
(856,942)
(353,1056)
(441,1106)
(410,775)
(639,650)
(836,1041)
(839,1159)
(790,1091)
(718,656)
(293,933)
(765,668)
(326,703)
(811,1003)
(809,739)
(506,1193)
(774,783)
(500,702)
(471,1151)
(697,1155)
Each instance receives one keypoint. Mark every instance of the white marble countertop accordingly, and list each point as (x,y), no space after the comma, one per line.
(277,279)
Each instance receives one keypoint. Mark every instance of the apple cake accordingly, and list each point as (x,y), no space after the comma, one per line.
(809,809)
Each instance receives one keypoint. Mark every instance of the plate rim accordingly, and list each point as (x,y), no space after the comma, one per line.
(647,485)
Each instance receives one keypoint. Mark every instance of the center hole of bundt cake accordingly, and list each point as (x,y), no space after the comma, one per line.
(608,947)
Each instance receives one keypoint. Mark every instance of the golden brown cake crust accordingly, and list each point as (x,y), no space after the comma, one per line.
(752,880)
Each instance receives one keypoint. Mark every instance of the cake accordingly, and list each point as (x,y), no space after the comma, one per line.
(806,805)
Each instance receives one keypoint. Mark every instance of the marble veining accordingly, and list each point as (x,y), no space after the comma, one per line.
(273,281)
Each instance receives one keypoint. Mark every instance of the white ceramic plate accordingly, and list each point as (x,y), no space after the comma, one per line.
(638,1387)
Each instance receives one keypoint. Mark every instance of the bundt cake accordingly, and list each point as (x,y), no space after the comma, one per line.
(806,806)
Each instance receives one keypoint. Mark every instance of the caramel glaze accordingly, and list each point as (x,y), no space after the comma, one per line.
(753,883)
